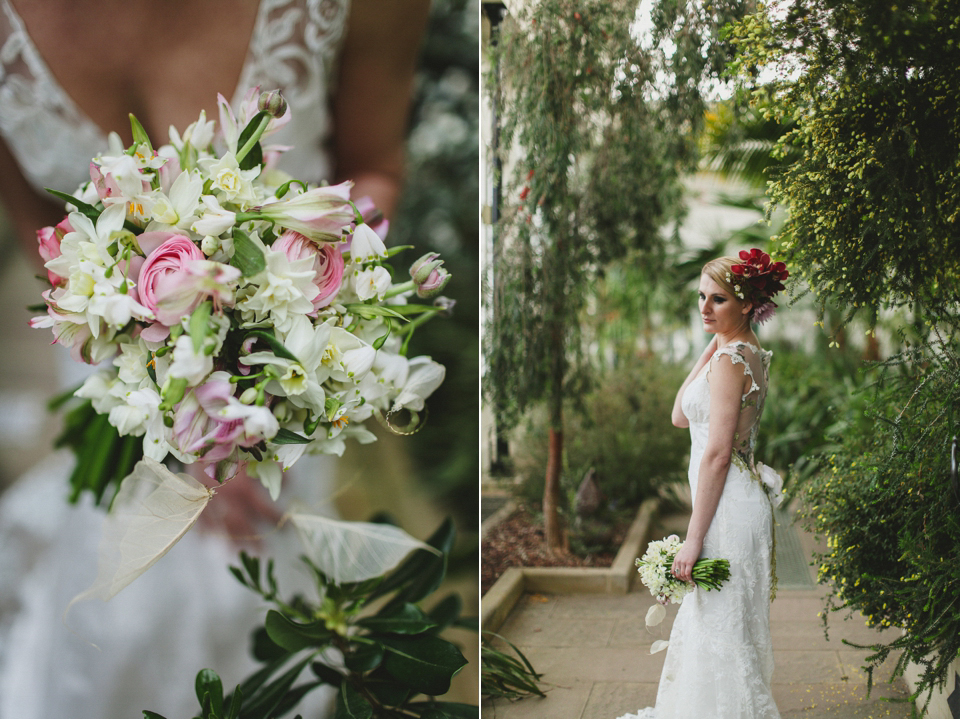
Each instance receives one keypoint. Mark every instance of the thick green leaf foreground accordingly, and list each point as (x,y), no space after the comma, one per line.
(394,660)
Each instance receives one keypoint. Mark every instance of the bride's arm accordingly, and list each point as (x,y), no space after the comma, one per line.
(726,387)
(372,102)
(678,418)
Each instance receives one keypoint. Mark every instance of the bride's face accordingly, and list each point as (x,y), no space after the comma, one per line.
(721,312)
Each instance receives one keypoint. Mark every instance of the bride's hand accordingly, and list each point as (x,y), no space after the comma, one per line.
(683,563)
(240,509)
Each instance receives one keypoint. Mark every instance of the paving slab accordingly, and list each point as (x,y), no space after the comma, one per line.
(593,650)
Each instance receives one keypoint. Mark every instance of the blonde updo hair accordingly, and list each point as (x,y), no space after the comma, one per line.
(719,270)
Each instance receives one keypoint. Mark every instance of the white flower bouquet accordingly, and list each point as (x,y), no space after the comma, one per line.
(655,568)
(250,318)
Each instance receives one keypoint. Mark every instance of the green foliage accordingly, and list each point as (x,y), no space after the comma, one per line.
(819,400)
(596,172)
(391,649)
(503,676)
(623,431)
(104,458)
(438,211)
(874,197)
(891,518)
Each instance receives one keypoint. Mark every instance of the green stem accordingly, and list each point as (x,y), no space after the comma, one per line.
(254,138)
(400,289)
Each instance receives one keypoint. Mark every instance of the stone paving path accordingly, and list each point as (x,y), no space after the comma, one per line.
(593,650)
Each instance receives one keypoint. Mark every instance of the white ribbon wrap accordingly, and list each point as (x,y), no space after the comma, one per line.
(772,481)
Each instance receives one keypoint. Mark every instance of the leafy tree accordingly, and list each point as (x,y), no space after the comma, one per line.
(596,128)
(874,197)
(874,200)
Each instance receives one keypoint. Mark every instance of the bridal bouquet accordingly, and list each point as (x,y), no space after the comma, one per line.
(655,573)
(250,318)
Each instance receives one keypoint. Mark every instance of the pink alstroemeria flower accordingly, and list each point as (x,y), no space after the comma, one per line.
(49,240)
(327,263)
(212,424)
(320,213)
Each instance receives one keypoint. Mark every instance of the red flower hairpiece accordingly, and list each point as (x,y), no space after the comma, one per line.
(758,280)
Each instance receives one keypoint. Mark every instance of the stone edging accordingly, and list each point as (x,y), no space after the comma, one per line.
(497,603)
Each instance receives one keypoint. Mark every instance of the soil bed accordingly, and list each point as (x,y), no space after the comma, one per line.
(518,542)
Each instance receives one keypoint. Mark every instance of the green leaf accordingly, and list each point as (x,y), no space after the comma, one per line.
(426,663)
(423,569)
(82,207)
(246,163)
(200,325)
(140,136)
(293,636)
(263,704)
(369,312)
(152,715)
(408,620)
(252,565)
(328,675)
(446,611)
(264,648)
(397,249)
(387,690)
(208,684)
(285,436)
(247,257)
(234,703)
(364,657)
(276,346)
(351,704)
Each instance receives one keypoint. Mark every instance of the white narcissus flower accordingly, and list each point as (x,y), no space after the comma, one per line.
(178,208)
(97,388)
(347,357)
(283,289)
(424,377)
(226,177)
(189,364)
(270,474)
(214,220)
(371,282)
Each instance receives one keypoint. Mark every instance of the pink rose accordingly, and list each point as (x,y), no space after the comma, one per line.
(49,239)
(327,263)
(161,275)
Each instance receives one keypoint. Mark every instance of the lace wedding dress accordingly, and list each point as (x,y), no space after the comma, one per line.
(719,664)
(187,612)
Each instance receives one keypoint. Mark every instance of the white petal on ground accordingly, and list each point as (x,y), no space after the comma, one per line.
(353,551)
(655,614)
(152,511)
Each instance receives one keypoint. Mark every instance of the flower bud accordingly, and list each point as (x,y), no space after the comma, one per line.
(428,275)
(249,395)
(209,245)
(421,269)
(272,103)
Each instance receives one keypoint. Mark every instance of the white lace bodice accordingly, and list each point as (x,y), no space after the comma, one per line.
(696,401)
(293,47)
